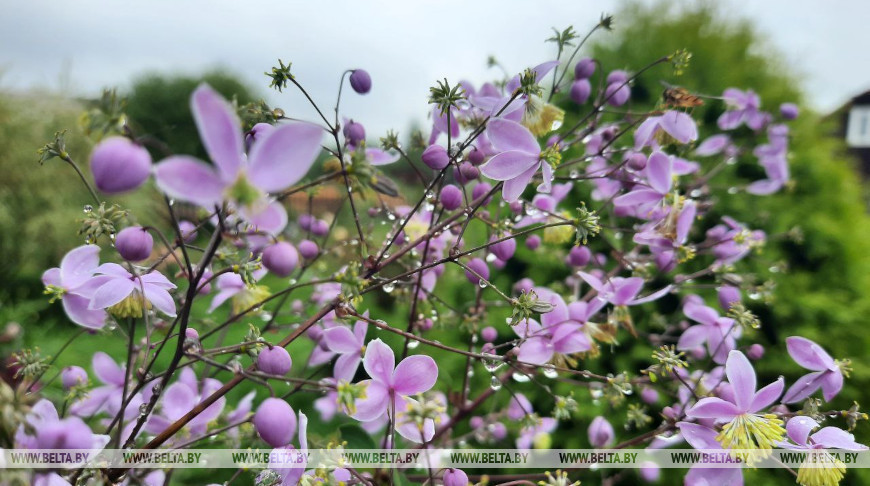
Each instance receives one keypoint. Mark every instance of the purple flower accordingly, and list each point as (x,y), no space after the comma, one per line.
(390,385)
(644,198)
(580,91)
(680,126)
(275,421)
(274,361)
(584,68)
(106,398)
(477,271)
(72,282)
(281,258)
(231,285)
(745,428)
(455,477)
(713,145)
(180,398)
(349,345)
(360,81)
(73,376)
(743,109)
(450,197)
(557,332)
(537,434)
(518,160)
(127,295)
(704,439)
(600,432)
(435,157)
(46,430)
(291,475)
(826,372)
(119,165)
(621,291)
(718,333)
(819,466)
(280,159)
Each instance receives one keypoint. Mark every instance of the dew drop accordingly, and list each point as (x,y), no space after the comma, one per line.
(389,287)
(88,209)
(495,383)
(413,344)
(521,378)
(482,283)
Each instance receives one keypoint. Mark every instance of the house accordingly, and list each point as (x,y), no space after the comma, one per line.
(853,124)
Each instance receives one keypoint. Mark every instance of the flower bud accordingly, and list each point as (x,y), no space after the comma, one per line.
(523,285)
(584,68)
(425,325)
(636,161)
(580,91)
(728,296)
(450,197)
(478,266)
(476,156)
(281,258)
(134,243)
(489,334)
(579,256)
(274,361)
(275,422)
(789,111)
(455,477)
(308,249)
(469,171)
(617,77)
(481,190)
(600,432)
(119,165)
(354,132)
(188,230)
(319,227)
(360,81)
(476,422)
(435,157)
(533,242)
(617,94)
(305,221)
(755,352)
(649,395)
(503,250)
(498,430)
(73,376)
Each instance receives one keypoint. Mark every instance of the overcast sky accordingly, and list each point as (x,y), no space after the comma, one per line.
(83,45)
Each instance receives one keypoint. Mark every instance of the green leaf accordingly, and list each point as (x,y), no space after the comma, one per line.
(356,437)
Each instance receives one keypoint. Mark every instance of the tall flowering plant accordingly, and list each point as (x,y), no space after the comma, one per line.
(417,274)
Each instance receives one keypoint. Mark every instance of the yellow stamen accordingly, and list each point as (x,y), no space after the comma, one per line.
(821,469)
(750,431)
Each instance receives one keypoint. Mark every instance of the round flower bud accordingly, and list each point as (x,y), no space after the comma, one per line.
(600,432)
(478,266)
(481,190)
(274,361)
(499,431)
(489,334)
(476,422)
(275,422)
(503,250)
(617,94)
(305,221)
(584,68)
(435,157)
(354,132)
(617,77)
(134,243)
(308,249)
(425,325)
(523,285)
(580,91)
(755,352)
(119,165)
(360,81)
(319,227)
(450,197)
(191,333)
(281,258)
(636,161)
(533,242)
(73,376)
(649,395)
(579,256)
(455,477)
(728,296)
(469,171)
(476,157)
(789,111)
(188,230)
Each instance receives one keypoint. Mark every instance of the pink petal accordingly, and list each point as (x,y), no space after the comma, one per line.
(161,299)
(653,296)
(809,354)
(627,290)
(76,308)
(569,338)
(415,374)
(699,436)
(804,386)
(658,172)
(114,291)
(832,437)
(52,277)
(506,135)
(692,338)
(508,165)
(346,366)
(341,340)
(536,350)
(271,219)
(79,265)
(767,395)
(114,270)
(593,281)
(375,402)
(741,376)
(284,156)
(177,401)
(379,157)
(799,428)
(680,126)
(379,361)
(637,197)
(644,133)
(713,408)
(157,279)
(219,129)
(513,189)
(189,179)
(832,383)
(107,370)
(700,313)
